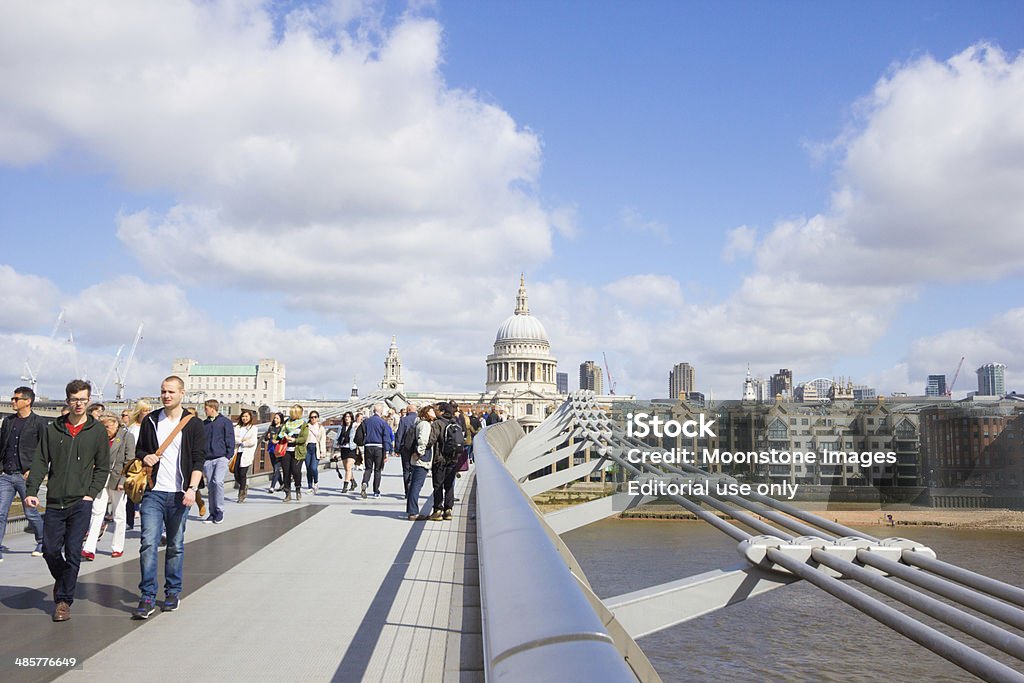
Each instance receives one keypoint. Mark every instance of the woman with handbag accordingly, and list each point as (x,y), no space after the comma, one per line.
(347,445)
(246,440)
(275,458)
(294,434)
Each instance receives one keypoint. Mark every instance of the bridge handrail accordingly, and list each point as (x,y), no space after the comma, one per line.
(537,624)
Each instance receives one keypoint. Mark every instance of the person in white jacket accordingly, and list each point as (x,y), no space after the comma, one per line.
(421,460)
(246,438)
(316,448)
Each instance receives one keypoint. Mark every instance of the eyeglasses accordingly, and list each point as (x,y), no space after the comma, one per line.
(79,401)
(18,398)
(314,417)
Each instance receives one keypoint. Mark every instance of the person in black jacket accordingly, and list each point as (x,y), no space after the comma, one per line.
(19,441)
(74,454)
(171,492)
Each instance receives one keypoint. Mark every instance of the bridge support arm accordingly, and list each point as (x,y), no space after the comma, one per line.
(652,609)
(583,514)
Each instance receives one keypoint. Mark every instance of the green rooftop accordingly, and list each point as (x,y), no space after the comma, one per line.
(228,370)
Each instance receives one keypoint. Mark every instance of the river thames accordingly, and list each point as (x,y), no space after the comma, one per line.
(796,633)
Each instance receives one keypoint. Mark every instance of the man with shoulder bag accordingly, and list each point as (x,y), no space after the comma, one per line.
(173,443)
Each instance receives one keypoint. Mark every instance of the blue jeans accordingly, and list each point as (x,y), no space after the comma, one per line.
(160,511)
(11,484)
(412,499)
(62,546)
(312,466)
(215,471)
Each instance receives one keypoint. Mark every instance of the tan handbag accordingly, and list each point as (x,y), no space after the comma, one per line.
(138,476)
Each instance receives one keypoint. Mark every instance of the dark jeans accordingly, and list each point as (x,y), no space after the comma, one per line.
(63,536)
(407,471)
(444,484)
(292,472)
(242,476)
(312,466)
(412,496)
(276,477)
(373,460)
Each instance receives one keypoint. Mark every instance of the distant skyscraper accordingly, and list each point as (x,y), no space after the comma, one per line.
(781,383)
(591,377)
(562,380)
(936,386)
(682,379)
(991,379)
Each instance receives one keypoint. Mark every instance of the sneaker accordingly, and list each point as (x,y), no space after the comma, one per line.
(377,494)
(116,553)
(362,491)
(38,552)
(62,612)
(270,489)
(436,516)
(86,555)
(209,520)
(316,489)
(1,555)
(447,515)
(144,610)
(219,519)
(171,603)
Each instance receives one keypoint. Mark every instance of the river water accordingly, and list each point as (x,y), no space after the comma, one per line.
(795,633)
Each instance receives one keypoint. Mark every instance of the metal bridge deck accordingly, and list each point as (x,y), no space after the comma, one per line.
(335,588)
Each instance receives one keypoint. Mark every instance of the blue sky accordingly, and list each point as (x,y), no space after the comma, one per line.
(805,185)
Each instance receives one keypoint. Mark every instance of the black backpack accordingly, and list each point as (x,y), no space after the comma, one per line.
(408,445)
(361,434)
(453,439)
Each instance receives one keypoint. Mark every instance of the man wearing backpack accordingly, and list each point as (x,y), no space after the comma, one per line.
(405,443)
(451,442)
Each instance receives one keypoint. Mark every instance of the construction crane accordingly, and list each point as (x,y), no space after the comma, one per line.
(949,389)
(608,371)
(122,377)
(113,367)
(30,376)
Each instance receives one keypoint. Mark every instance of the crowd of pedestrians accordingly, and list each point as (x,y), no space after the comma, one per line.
(85,458)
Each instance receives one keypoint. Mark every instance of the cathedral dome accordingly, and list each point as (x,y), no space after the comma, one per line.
(521,327)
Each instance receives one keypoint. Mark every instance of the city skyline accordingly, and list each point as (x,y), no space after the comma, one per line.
(792,186)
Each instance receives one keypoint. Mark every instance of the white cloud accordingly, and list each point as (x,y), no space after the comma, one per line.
(29,300)
(739,242)
(929,183)
(332,156)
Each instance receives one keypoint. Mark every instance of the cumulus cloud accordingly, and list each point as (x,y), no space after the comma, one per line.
(29,300)
(326,154)
(928,187)
(739,242)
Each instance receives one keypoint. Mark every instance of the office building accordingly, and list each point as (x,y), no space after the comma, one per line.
(591,377)
(682,379)
(991,379)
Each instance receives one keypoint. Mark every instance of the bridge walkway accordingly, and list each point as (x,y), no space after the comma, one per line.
(334,588)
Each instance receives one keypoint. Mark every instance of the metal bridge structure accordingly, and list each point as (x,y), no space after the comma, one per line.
(541,620)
